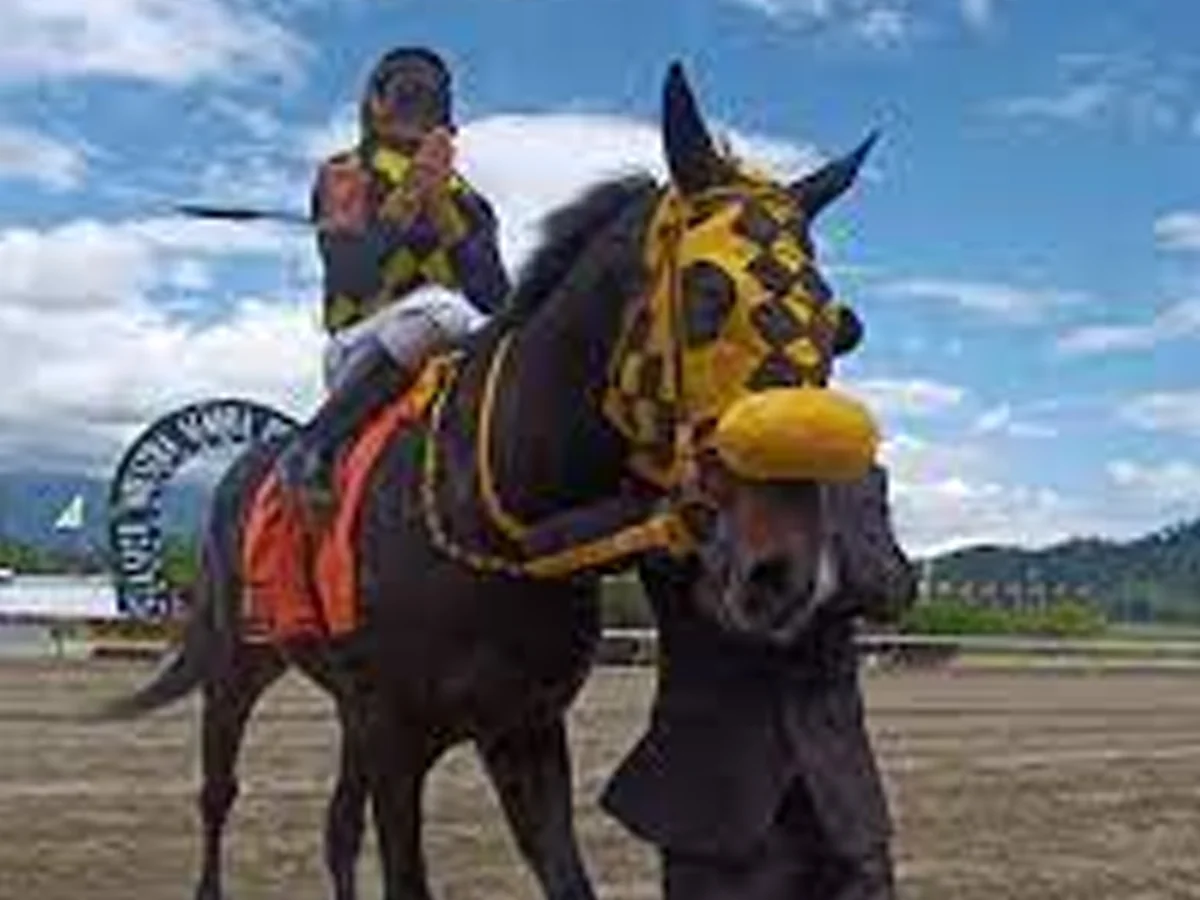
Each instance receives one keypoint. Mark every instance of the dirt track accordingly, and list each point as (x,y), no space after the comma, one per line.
(1023,786)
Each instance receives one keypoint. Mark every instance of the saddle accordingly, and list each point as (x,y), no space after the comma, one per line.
(300,585)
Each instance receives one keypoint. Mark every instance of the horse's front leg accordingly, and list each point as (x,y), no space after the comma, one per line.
(398,755)
(530,767)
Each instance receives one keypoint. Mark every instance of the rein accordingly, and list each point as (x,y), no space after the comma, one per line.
(659,531)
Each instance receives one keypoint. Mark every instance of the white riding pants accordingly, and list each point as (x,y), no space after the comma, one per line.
(407,330)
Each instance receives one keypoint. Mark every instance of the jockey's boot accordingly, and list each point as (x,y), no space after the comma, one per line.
(306,466)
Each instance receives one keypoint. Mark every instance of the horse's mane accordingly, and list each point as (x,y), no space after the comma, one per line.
(567,232)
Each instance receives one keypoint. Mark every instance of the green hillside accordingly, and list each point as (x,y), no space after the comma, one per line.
(1152,578)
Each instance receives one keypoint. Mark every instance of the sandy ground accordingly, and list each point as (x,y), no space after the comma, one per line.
(1004,785)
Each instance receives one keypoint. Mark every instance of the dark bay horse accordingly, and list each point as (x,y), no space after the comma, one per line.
(648,312)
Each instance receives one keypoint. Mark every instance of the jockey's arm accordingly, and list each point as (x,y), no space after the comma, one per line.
(357,247)
(349,259)
(475,258)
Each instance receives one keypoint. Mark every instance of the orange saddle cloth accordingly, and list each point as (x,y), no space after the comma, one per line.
(299,586)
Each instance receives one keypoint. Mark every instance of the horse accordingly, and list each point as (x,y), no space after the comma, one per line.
(558,448)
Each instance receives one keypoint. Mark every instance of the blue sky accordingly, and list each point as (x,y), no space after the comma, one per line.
(1024,247)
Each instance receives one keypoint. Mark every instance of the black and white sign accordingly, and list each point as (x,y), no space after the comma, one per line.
(135,495)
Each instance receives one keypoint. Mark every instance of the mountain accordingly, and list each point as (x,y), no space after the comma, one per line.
(1156,576)
(31,503)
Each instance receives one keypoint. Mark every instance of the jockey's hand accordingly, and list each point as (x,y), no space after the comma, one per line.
(433,163)
(425,181)
(402,204)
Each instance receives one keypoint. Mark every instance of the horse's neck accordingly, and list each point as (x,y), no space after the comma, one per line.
(551,447)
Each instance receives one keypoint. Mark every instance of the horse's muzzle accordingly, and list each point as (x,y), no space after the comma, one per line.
(767,561)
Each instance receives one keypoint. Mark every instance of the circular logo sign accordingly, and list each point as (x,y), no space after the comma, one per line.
(135,494)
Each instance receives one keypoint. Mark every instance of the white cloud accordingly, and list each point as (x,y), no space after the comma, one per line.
(979,14)
(339,132)
(1003,420)
(529,164)
(87,264)
(1173,485)
(966,487)
(1005,301)
(911,397)
(165,41)
(1165,411)
(1182,320)
(955,493)
(1179,230)
(31,156)
(89,358)
(262,181)
(961,491)
(877,23)
(78,266)
(883,26)
(84,383)
(259,123)
(816,9)
(214,237)
(190,275)
(1146,94)
(1077,103)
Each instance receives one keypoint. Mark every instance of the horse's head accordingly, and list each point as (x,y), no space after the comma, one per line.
(720,378)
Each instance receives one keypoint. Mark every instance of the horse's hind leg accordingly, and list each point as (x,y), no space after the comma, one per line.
(347,810)
(531,770)
(228,700)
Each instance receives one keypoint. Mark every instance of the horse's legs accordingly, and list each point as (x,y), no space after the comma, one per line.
(399,755)
(531,769)
(228,701)
(347,807)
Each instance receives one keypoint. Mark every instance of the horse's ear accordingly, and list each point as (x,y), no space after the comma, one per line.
(849,332)
(818,189)
(692,159)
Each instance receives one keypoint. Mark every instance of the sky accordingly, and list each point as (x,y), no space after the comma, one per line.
(1024,244)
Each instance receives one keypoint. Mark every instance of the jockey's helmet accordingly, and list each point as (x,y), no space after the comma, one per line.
(408,91)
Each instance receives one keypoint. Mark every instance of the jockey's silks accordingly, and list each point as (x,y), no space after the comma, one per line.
(374,253)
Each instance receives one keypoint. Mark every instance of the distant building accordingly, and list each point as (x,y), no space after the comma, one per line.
(58,596)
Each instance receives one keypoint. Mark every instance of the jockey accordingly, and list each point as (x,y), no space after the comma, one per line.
(410,257)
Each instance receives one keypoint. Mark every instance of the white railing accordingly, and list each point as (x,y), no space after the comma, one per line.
(639,644)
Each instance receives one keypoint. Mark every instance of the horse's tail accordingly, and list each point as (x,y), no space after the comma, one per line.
(212,632)
(189,664)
